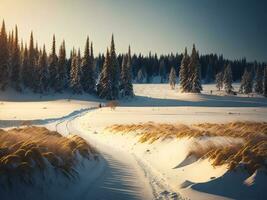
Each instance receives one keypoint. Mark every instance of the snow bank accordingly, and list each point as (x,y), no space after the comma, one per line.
(166,160)
(51,184)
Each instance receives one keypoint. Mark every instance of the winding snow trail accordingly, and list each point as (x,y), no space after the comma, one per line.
(121,177)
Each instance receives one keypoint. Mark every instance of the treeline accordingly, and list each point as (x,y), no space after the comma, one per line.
(110,76)
(145,68)
(29,66)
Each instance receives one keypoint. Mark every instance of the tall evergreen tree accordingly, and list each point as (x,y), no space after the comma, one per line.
(172,78)
(43,72)
(115,72)
(25,67)
(61,78)
(123,78)
(219,81)
(15,63)
(75,82)
(265,82)
(53,66)
(126,86)
(104,87)
(184,73)
(88,76)
(129,86)
(31,81)
(228,79)
(259,81)
(246,85)
(3,57)
(194,67)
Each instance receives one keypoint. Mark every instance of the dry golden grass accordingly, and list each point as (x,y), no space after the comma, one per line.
(23,150)
(151,131)
(252,153)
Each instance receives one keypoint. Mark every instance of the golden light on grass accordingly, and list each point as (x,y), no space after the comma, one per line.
(24,150)
(252,152)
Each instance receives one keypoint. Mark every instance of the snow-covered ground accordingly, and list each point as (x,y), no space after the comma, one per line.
(144,171)
(32,106)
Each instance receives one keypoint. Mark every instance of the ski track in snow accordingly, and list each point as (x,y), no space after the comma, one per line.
(123,176)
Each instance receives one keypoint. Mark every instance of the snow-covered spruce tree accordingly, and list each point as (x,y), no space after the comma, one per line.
(123,78)
(246,85)
(258,81)
(228,79)
(129,87)
(195,77)
(184,73)
(31,76)
(53,66)
(3,58)
(126,86)
(15,63)
(104,87)
(95,67)
(115,71)
(75,84)
(219,81)
(61,77)
(88,76)
(25,66)
(43,72)
(265,82)
(172,78)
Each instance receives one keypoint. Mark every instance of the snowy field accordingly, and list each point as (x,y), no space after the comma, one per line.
(159,160)
(154,166)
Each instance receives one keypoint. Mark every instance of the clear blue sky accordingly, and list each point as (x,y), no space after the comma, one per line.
(234,28)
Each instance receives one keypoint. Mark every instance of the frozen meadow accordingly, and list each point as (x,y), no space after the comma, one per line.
(133,170)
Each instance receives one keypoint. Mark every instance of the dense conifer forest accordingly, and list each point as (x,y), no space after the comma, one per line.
(110,75)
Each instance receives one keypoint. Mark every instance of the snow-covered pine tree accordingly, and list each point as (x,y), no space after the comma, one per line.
(126,86)
(172,78)
(195,77)
(265,82)
(75,84)
(61,76)
(115,71)
(228,79)
(258,81)
(246,82)
(53,66)
(96,71)
(184,72)
(219,81)
(129,86)
(3,58)
(123,78)
(43,72)
(88,76)
(25,66)
(104,87)
(15,63)
(31,76)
